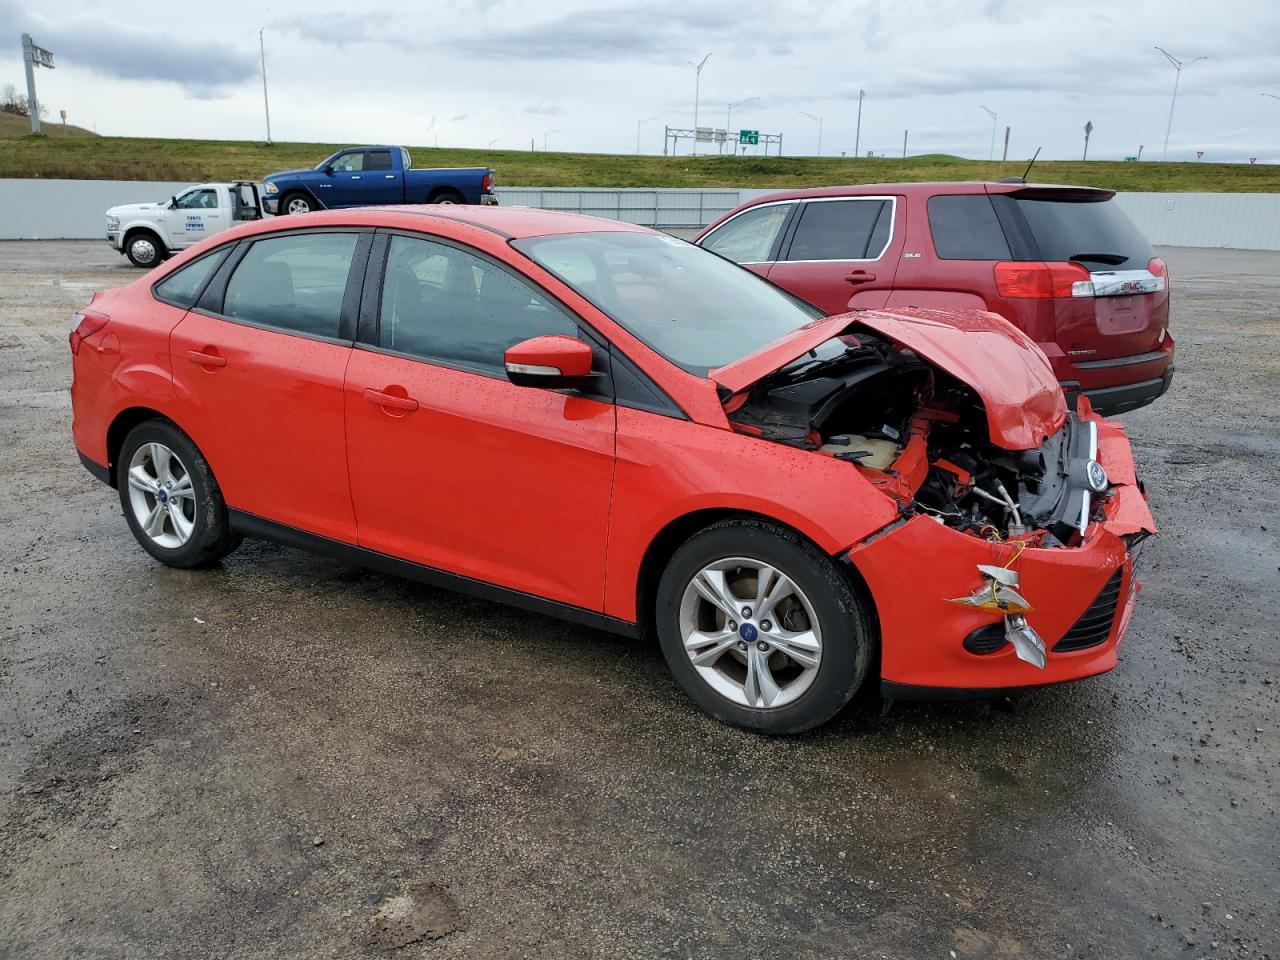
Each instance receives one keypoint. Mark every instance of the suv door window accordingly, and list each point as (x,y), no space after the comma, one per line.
(294,283)
(841,230)
(749,237)
(966,228)
(378,160)
(349,162)
(441,303)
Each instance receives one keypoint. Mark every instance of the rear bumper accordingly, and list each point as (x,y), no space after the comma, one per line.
(916,570)
(98,470)
(1118,384)
(489,199)
(1130,396)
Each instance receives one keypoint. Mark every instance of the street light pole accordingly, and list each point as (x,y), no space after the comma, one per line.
(1271,95)
(1177,76)
(818,121)
(857,136)
(697,91)
(991,113)
(639,124)
(266,106)
(546,133)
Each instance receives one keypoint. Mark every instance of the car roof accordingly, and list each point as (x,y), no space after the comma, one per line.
(511,223)
(926,188)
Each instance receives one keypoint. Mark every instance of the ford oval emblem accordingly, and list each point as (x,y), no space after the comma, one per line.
(748,632)
(1097,476)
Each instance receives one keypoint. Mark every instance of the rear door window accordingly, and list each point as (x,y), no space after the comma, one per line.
(294,283)
(1096,233)
(749,237)
(841,230)
(378,160)
(966,228)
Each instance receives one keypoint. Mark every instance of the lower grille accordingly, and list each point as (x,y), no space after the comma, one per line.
(1094,625)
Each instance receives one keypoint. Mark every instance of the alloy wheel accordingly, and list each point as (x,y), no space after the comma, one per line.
(161,495)
(750,632)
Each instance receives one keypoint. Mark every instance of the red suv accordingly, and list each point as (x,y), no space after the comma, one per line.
(1064,264)
(590,419)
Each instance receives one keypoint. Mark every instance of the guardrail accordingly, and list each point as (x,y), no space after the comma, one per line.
(74,209)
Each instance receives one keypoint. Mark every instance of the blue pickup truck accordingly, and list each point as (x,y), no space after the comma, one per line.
(367,176)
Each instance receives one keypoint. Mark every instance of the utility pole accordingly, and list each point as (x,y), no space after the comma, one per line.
(32,57)
(1177,66)
(857,136)
(904,144)
(266,106)
(1005,157)
(991,113)
(697,90)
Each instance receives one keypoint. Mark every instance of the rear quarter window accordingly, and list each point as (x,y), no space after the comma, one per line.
(966,228)
(182,287)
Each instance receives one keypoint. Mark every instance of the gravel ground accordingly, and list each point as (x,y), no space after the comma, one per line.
(289,757)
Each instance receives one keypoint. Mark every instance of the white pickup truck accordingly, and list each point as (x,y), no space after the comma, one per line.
(148,232)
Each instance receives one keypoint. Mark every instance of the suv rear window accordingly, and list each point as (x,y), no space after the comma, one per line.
(1074,229)
(966,228)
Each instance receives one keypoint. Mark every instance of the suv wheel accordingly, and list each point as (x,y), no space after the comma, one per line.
(761,628)
(170,498)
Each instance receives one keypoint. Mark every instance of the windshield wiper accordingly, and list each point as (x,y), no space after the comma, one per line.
(1112,259)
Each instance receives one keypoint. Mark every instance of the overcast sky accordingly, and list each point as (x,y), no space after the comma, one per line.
(468,73)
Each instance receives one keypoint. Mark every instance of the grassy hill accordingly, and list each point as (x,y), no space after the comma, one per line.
(12,125)
(128,158)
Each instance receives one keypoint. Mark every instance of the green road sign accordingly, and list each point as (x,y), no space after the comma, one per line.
(749,138)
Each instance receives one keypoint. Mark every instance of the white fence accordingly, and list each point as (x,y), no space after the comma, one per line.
(73,209)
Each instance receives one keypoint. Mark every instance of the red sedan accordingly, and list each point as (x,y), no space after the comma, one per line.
(593,420)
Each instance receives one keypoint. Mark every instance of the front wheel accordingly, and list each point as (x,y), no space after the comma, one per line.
(761,628)
(170,498)
(144,249)
(296,203)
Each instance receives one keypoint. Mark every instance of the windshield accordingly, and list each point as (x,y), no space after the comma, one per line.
(697,309)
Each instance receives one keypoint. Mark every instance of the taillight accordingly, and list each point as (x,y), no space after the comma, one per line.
(1042,281)
(487,183)
(84,325)
(1158,268)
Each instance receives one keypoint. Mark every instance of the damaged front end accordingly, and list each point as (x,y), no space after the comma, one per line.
(1014,513)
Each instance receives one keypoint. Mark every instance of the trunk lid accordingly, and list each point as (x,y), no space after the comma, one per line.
(1020,394)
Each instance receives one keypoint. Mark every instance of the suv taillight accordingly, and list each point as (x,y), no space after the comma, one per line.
(1042,281)
(84,325)
(1158,268)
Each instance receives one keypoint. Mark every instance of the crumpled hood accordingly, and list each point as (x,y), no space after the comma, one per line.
(1022,397)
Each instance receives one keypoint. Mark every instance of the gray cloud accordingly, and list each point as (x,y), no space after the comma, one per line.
(545,109)
(203,69)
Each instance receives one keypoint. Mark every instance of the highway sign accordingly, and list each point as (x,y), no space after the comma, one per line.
(749,138)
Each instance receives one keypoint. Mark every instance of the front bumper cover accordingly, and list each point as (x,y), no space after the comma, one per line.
(914,569)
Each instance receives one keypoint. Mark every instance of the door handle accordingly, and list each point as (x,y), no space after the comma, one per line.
(206,359)
(355,176)
(389,176)
(860,276)
(392,402)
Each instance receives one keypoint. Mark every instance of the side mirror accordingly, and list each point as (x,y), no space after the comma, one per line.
(551,362)
(328,169)
(173,203)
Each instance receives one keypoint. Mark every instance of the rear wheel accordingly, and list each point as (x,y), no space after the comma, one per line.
(761,628)
(296,203)
(171,499)
(144,249)
(445,196)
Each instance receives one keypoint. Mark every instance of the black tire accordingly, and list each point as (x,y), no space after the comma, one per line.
(446,195)
(144,249)
(211,537)
(842,615)
(301,199)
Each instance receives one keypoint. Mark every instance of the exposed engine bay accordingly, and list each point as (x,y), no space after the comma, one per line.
(921,437)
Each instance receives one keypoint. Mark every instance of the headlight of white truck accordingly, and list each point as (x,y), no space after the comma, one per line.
(113,223)
(271,188)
